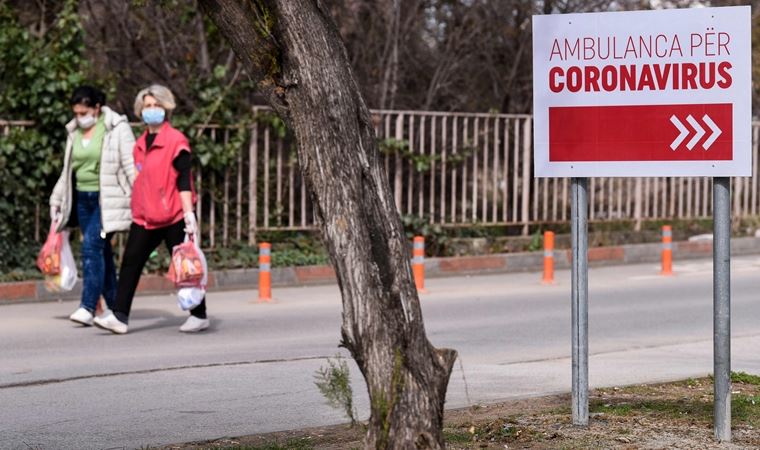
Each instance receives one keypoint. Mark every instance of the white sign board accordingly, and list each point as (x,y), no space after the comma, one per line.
(643,93)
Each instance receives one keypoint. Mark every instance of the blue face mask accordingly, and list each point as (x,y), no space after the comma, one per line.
(153,116)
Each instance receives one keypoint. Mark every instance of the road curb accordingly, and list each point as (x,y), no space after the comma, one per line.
(34,291)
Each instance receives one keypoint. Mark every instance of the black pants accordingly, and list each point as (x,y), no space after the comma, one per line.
(140,244)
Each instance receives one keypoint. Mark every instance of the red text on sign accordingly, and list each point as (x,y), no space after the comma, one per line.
(651,77)
(709,43)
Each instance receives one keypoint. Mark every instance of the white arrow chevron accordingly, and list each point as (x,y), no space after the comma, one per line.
(683,132)
(700,132)
(715,132)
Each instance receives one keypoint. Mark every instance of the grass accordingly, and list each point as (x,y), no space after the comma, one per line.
(672,409)
(746,409)
(291,444)
(742,377)
(454,436)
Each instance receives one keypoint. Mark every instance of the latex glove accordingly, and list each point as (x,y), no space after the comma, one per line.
(191,225)
(55,213)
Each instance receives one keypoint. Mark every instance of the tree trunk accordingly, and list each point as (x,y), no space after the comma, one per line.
(295,54)
(204,63)
(389,85)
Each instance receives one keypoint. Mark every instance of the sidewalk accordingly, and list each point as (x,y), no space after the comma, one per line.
(434,267)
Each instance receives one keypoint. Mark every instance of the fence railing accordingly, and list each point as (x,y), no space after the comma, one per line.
(452,169)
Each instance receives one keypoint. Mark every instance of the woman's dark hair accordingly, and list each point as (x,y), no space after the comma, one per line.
(87,96)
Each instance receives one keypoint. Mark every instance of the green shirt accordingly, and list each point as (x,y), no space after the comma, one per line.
(85,159)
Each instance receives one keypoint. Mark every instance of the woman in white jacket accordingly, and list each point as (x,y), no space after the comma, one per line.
(93,192)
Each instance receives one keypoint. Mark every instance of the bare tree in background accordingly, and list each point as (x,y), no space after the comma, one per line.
(449,55)
(133,44)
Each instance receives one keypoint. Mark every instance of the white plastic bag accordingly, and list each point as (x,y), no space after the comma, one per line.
(66,279)
(190,297)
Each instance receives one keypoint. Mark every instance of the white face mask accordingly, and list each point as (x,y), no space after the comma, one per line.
(86,122)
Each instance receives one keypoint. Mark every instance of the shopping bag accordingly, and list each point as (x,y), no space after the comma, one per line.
(187,258)
(190,297)
(66,278)
(188,264)
(49,258)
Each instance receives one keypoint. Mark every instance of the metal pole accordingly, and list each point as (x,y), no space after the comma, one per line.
(722,307)
(579,229)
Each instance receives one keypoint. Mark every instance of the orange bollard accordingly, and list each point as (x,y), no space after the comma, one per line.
(265,276)
(667,250)
(548,257)
(418,264)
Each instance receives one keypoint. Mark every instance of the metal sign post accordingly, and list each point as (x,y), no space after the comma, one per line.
(722,307)
(579,295)
(660,93)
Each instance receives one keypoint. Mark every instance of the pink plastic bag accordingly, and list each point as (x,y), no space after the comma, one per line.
(49,258)
(188,264)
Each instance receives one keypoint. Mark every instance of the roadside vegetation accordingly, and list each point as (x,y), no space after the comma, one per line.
(659,416)
(304,248)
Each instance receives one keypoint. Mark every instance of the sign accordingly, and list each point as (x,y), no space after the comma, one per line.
(643,93)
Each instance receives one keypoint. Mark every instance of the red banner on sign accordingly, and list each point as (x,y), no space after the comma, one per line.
(641,133)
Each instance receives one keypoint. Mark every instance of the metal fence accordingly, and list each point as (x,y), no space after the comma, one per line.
(460,169)
(452,169)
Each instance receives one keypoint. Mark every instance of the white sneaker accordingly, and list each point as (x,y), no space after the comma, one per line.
(81,316)
(111,323)
(104,313)
(194,324)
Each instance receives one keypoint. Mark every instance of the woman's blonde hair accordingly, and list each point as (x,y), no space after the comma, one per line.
(162,94)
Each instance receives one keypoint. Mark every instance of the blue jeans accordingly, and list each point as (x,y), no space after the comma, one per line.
(98,268)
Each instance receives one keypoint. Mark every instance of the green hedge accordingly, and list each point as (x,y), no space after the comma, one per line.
(37,85)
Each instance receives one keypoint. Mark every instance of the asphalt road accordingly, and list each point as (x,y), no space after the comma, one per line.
(64,386)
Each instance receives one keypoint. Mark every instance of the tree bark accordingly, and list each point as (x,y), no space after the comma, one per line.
(295,54)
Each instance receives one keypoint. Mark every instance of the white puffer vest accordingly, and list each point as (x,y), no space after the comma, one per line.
(117,174)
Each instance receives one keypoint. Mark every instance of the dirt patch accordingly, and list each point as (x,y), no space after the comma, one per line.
(663,416)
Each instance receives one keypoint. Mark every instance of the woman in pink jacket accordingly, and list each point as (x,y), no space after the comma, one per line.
(162,204)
